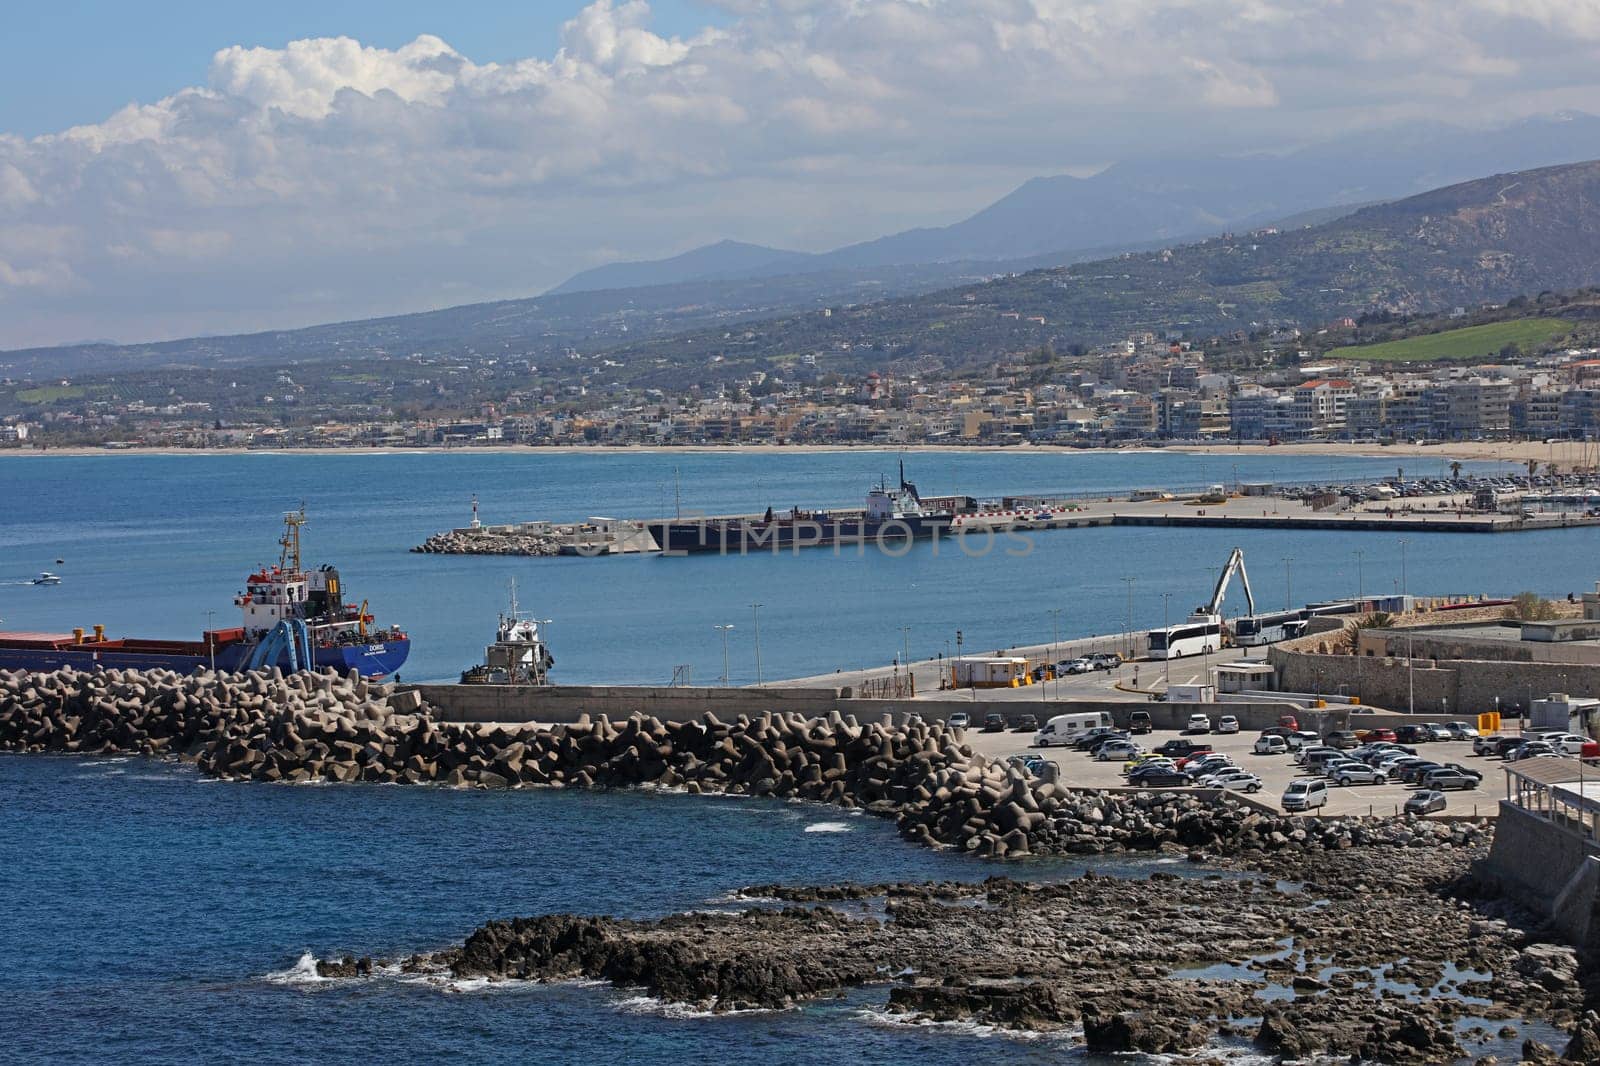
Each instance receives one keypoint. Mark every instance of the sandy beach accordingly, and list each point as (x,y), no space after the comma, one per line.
(1565,454)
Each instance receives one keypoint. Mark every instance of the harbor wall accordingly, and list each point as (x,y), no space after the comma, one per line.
(1550,868)
(1253,717)
(1459,687)
(564,703)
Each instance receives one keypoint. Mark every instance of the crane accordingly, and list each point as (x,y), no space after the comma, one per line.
(1235,563)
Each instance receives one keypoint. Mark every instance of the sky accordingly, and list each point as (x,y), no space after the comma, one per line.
(228,167)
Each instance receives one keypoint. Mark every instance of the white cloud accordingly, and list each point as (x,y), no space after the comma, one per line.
(328,178)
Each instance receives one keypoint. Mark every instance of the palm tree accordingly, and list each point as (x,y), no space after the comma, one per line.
(1455,471)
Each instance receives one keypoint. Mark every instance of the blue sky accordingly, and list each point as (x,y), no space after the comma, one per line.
(69,62)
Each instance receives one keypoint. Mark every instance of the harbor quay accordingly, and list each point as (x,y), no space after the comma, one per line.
(977,527)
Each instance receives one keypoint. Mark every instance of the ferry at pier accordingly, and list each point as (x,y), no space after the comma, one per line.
(292,618)
(891,515)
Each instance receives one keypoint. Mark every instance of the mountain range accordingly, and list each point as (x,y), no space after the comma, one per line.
(1155,200)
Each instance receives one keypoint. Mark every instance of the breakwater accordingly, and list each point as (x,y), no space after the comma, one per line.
(306,727)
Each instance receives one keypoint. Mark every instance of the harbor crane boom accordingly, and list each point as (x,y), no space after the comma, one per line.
(1235,563)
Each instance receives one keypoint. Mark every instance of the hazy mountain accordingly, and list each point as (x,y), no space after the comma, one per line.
(723,260)
(1480,241)
(1164,199)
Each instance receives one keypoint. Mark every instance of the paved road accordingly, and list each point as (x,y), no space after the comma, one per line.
(1275,771)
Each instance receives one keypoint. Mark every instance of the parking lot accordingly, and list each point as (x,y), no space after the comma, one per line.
(1276,771)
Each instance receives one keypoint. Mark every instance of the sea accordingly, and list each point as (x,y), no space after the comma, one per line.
(155,916)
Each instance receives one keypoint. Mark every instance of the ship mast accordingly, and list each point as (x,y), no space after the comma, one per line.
(289,556)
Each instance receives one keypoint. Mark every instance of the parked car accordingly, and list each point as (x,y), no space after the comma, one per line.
(1116,751)
(1078,666)
(1469,771)
(1031,764)
(1201,765)
(1444,778)
(1198,723)
(959,720)
(1353,773)
(1147,759)
(1506,746)
(1411,771)
(1180,748)
(1424,802)
(1227,724)
(1370,735)
(1306,752)
(994,723)
(1568,743)
(1532,749)
(1026,723)
(1319,760)
(1461,730)
(1093,736)
(1270,745)
(1412,734)
(1305,794)
(1486,745)
(1238,781)
(1139,723)
(1439,731)
(1156,777)
(1344,739)
(1289,722)
(1104,660)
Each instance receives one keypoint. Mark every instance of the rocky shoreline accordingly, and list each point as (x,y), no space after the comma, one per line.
(1403,964)
(1372,949)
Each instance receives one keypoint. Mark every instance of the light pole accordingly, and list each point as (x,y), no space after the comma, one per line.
(724,630)
(1128,629)
(1166,659)
(211,639)
(1360,594)
(1055,639)
(1403,586)
(905,647)
(755,613)
(1288,584)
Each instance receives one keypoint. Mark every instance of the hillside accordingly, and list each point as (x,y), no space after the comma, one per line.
(1480,241)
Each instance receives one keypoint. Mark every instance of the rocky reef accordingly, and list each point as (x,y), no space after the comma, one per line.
(486,542)
(1395,964)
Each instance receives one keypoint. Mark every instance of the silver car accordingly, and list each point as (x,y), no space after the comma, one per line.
(1356,773)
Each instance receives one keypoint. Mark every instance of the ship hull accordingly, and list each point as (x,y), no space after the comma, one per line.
(370,660)
(738,536)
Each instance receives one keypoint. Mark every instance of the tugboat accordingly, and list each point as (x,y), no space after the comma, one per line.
(891,515)
(293,618)
(518,655)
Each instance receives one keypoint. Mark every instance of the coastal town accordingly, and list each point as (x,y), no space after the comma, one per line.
(1277,387)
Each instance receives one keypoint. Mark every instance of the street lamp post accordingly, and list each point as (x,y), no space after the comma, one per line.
(1055,639)
(724,630)
(1128,629)
(905,647)
(1288,584)
(211,639)
(1166,623)
(755,613)
(1404,588)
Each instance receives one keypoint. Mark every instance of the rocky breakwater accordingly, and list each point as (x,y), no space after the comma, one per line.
(1382,962)
(318,726)
(487,542)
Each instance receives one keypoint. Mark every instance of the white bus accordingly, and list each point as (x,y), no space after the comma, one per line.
(1186,638)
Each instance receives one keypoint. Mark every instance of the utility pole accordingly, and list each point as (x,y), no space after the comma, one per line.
(1055,640)
(724,630)
(1166,623)
(755,613)
(1128,629)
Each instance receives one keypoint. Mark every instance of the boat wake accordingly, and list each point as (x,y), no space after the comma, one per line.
(827,827)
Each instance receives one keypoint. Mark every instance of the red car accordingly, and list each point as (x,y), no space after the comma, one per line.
(1181,763)
(1373,735)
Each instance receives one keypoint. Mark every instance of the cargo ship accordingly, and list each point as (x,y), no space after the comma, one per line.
(293,618)
(891,515)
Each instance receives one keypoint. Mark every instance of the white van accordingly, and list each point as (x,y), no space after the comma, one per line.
(1063,729)
(1305,794)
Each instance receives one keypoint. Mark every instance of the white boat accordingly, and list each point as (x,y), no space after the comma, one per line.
(47,578)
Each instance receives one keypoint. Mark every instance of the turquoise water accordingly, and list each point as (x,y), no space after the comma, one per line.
(151,543)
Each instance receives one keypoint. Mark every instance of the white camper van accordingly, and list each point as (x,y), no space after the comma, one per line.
(1063,729)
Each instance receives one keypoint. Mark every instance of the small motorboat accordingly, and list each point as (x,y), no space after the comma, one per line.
(47,578)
